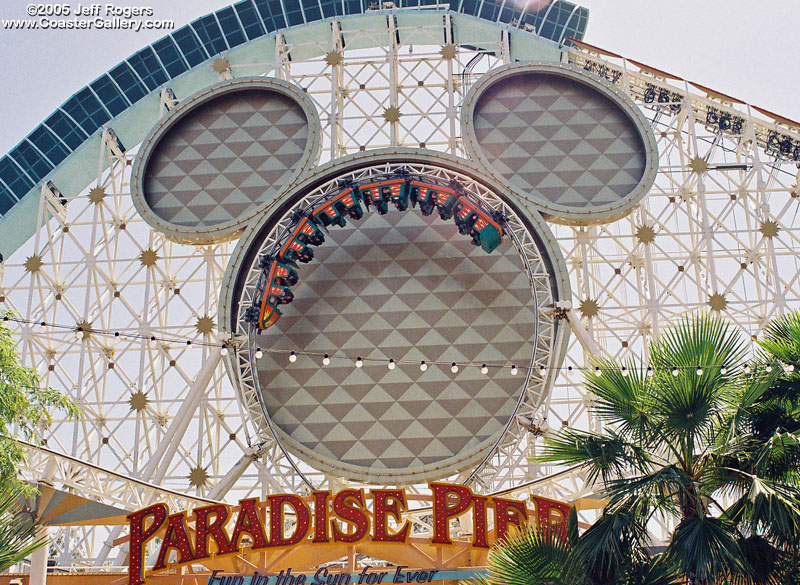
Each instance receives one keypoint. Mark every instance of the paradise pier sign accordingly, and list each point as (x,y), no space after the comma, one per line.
(328,519)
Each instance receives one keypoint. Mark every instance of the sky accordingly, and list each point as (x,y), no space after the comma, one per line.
(741,48)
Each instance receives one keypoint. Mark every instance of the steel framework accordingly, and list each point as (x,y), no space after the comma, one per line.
(719,231)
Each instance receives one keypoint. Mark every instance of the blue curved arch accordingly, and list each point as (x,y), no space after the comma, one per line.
(79,118)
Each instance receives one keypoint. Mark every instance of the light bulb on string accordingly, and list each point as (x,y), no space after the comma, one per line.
(259,353)
(454,368)
(359,362)
(484,369)
(699,371)
(42,326)
(790,367)
(391,365)
(723,370)
(513,370)
(326,360)
(624,371)
(649,370)
(223,350)
(768,368)
(423,366)
(746,369)
(675,372)
(598,371)
(293,357)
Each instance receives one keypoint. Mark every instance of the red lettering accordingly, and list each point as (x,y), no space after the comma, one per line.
(390,502)
(508,512)
(139,537)
(276,504)
(214,531)
(544,514)
(348,505)
(443,511)
(249,522)
(479,532)
(175,538)
(321,516)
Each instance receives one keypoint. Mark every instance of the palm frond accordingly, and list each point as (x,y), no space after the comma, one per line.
(657,570)
(706,547)
(613,544)
(623,398)
(782,338)
(531,556)
(17,530)
(607,455)
(658,489)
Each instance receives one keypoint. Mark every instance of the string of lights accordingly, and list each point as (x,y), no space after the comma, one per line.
(391,363)
(44,326)
(485,368)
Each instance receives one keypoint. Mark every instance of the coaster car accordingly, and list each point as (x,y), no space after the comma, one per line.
(279,278)
(428,196)
(296,247)
(380,194)
(472,220)
(336,210)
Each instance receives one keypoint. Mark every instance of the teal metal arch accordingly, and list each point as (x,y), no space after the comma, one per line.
(74,129)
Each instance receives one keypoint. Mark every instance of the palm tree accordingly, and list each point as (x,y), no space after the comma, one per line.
(678,443)
(533,557)
(18,533)
(24,407)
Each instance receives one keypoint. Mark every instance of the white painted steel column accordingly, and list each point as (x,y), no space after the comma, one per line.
(229,480)
(159,463)
(38,574)
(156,468)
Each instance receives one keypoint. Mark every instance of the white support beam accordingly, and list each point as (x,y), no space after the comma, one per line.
(586,340)
(229,479)
(38,574)
(159,463)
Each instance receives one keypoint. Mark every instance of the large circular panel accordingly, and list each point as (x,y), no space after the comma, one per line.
(577,146)
(401,286)
(209,166)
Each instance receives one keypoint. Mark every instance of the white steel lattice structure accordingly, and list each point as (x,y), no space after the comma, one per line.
(719,230)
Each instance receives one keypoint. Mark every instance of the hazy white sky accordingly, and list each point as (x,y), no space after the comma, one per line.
(739,47)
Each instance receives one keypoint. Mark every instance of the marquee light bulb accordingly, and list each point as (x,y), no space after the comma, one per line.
(699,371)
(624,371)
(292,357)
(326,360)
(42,326)
(359,362)
(454,368)
(675,372)
(484,369)
(723,370)
(423,366)
(598,371)
(391,365)
(259,353)
(513,370)
(768,368)
(790,367)
(746,369)
(224,350)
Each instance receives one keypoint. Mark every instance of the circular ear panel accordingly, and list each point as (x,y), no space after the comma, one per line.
(403,282)
(210,165)
(580,148)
